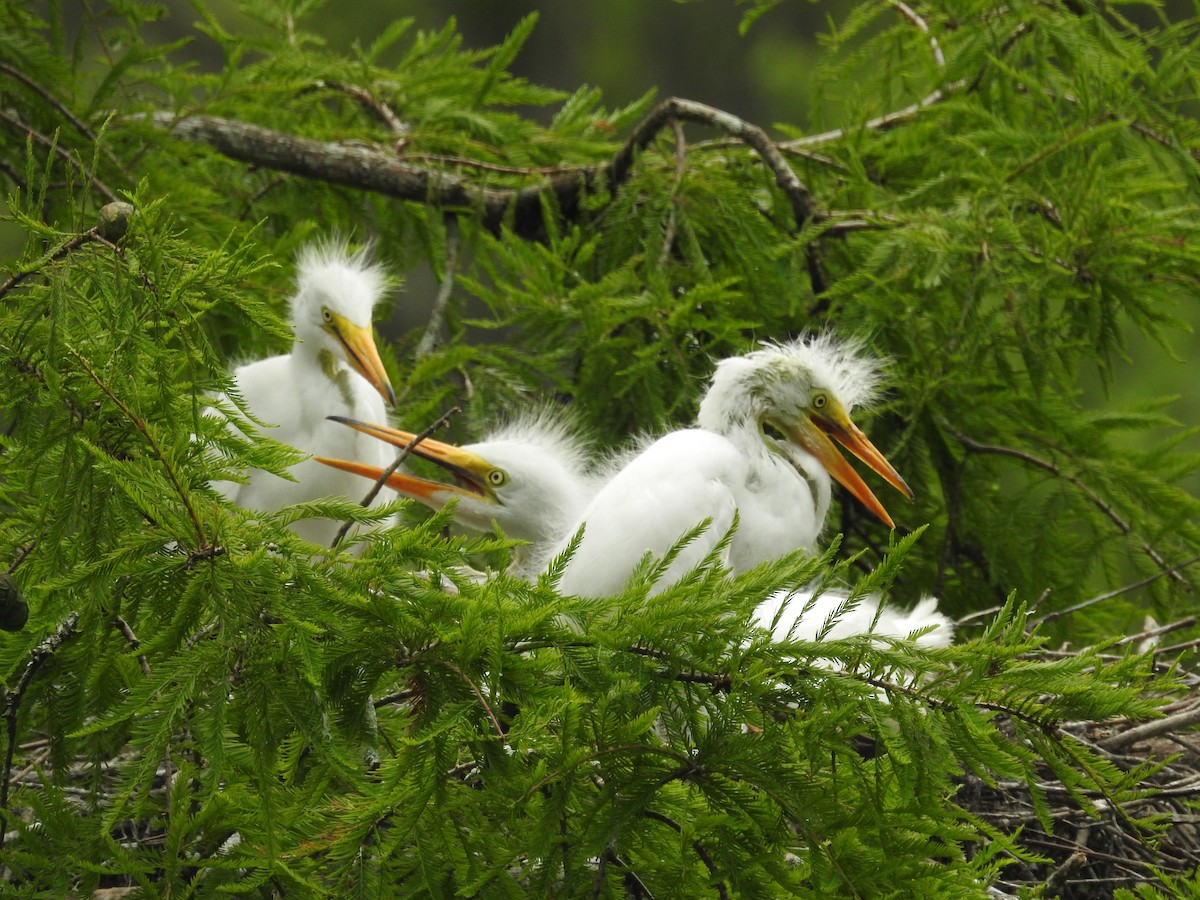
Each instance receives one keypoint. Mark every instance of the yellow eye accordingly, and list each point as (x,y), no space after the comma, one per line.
(326,314)
(819,401)
(497,478)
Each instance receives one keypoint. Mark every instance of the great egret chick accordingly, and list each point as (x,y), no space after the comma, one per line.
(332,367)
(528,476)
(762,451)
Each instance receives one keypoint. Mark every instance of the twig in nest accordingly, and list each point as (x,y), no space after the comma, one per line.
(1175,722)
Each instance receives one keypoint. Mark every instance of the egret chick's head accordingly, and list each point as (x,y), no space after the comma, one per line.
(336,294)
(529,477)
(783,381)
(804,390)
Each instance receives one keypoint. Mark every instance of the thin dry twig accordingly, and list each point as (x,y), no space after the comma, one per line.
(879,123)
(52,145)
(1125,589)
(1156,632)
(43,92)
(672,218)
(390,470)
(94,234)
(138,423)
(478,696)
(909,13)
(701,851)
(974,446)
(12,705)
(373,103)
(134,643)
(483,166)
(437,316)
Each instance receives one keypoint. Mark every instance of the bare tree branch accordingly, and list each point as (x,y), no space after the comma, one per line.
(12,705)
(908,13)
(437,316)
(370,167)
(1093,497)
(52,145)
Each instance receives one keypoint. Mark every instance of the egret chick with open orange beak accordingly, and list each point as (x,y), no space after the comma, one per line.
(332,367)
(763,450)
(529,476)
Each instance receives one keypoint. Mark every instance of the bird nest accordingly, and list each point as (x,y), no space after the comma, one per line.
(1093,853)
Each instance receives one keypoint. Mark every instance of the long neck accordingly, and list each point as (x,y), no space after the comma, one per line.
(811,470)
(730,407)
(314,356)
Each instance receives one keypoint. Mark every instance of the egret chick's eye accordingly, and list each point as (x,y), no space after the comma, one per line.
(326,315)
(819,401)
(497,478)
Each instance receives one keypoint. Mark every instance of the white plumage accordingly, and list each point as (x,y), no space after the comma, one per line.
(529,476)
(332,367)
(532,477)
(777,484)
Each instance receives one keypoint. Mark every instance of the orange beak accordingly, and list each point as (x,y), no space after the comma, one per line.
(469,469)
(813,433)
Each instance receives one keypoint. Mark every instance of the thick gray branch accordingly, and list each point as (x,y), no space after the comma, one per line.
(369,167)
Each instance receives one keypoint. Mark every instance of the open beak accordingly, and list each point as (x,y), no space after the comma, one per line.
(362,354)
(813,433)
(469,469)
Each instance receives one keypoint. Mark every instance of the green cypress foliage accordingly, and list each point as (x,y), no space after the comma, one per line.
(996,196)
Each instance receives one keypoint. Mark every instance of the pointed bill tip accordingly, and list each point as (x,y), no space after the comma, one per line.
(359,346)
(814,434)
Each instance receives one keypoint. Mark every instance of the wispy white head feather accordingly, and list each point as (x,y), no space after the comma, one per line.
(782,378)
(550,429)
(329,275)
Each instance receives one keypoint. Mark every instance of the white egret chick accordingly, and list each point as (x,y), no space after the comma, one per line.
(333,367)
(529,477)
(762,451)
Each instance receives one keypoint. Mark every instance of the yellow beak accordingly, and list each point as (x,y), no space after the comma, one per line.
(813,433)
(469,469)
(362,354)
